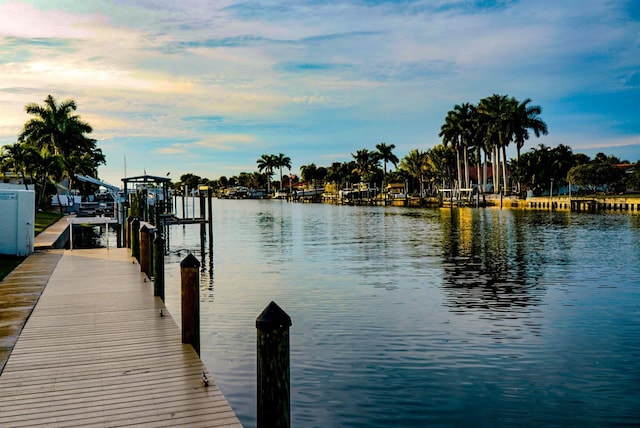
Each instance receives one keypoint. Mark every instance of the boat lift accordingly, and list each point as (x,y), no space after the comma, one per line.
(111,189)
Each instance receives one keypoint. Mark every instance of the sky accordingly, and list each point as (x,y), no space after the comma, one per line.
(207,87)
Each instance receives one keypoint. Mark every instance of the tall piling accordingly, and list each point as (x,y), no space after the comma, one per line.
(158,267)
(145,249)
(135,238)
(274,397)
(190,293)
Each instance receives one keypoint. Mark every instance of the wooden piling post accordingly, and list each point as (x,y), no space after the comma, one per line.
(127,233)
(158,267)
(274,399)
(190,291)
(210,209)
(135,238)
(145,249)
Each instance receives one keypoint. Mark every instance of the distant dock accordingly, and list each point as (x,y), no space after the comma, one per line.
(98,351)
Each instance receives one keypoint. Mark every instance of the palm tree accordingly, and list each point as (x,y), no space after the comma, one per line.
(459,130)
(415,163)
(527,118)
(266,163)
(308,172)
(449,132)
(366,163)
(17,158)
(56,129)
(385,153)
(441,160)
(282,161)
(496,115)
(49,171)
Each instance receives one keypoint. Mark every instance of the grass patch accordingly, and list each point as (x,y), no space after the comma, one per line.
(8,263)
(45,219)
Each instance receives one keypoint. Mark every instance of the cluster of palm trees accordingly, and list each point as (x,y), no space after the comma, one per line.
(52,146)
(267,163)
(489,128)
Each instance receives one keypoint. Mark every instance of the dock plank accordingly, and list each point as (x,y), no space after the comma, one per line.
(96,352)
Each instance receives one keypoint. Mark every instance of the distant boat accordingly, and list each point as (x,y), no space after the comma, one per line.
(281,194)
(256,193)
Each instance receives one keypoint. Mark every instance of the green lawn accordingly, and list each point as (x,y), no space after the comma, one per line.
(8,263)
(43,220)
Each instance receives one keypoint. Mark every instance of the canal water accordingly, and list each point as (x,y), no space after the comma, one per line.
(425,317)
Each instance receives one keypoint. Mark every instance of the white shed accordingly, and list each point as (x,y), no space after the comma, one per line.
(17,214)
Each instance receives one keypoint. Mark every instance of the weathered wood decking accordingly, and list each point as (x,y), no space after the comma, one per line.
(96,352)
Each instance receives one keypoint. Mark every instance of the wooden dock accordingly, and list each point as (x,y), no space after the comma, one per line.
(97,352)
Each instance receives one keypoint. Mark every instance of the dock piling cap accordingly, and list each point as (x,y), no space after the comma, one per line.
(190,262)
(273,318)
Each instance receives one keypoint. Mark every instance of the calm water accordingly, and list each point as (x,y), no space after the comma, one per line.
(416,317)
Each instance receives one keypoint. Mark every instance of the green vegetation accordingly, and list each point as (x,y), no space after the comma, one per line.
(53,146)
(45,219)
(8,263)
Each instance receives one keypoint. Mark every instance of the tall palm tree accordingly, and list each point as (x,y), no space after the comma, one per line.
(54,128)
(527,118)
(496,115)
(385,153)
(282,161)
(450,134)
(459,130)
(266,163)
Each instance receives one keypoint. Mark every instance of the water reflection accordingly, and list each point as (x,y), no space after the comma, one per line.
(491,266)
(413,317)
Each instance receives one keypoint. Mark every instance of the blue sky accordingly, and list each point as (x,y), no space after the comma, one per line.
(208,86)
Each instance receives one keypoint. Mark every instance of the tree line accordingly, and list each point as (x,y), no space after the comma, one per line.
(472,135)
(55,145)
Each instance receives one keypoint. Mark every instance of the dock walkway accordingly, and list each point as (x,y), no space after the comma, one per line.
(97,352)
(54,236)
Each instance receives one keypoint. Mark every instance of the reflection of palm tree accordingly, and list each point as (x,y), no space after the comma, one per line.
(485,271)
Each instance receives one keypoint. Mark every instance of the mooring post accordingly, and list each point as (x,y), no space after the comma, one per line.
(158,267)
(274,398)
(210,210)
(118,235)
(145,248)
(190,290)
(135,238)
(127,232)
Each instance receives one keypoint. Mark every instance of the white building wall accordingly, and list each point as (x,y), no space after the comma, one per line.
(17,219)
